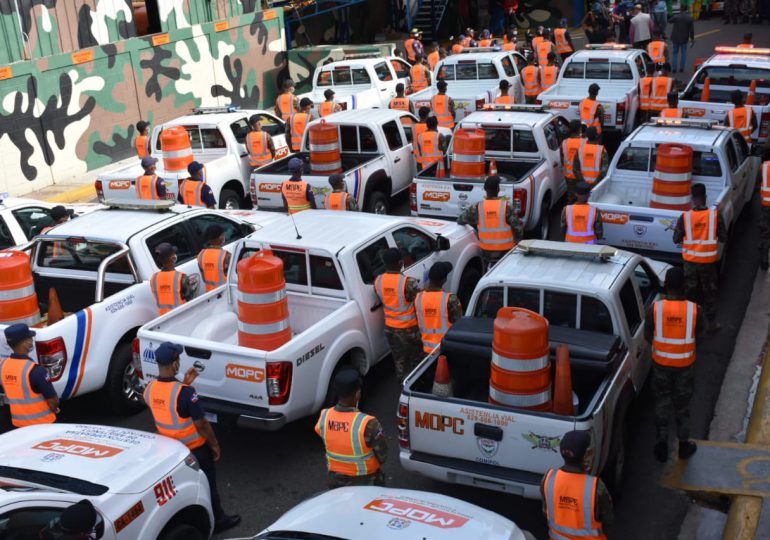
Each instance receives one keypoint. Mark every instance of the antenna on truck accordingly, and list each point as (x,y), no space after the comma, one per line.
(299,236)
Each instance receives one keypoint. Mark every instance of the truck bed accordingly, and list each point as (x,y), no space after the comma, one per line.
(636,192)
(280,167)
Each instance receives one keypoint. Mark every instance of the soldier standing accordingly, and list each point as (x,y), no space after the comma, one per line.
(581,223)
(436,310)
(339,198)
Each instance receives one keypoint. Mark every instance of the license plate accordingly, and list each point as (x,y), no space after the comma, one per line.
(211,417)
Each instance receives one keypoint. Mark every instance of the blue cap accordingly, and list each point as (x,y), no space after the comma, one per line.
(167,353)
(148,161)
(294,164)
(18,332)
(194,167)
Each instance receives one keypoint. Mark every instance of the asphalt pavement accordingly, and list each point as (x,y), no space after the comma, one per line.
(263,474)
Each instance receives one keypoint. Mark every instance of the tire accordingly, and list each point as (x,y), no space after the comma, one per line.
(331,396)
(182,531)
(378,203)
(469,279)
(614,469)
(119,392)
(544,223)
(230,200)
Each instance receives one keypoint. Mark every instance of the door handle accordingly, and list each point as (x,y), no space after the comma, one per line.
(397,160)
(488,432)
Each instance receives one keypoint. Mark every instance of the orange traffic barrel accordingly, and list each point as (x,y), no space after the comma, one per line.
(18,300)
(705,95)
(751,98)
(672,178)
(176,147)
(562,385)
(468,149)
(324,143)
(521,363)
(263,309)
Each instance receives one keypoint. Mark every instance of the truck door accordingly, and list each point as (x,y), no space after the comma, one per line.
(418,250)
(400,156)
(386,83)
(746,170)
(370,265)
(632,311)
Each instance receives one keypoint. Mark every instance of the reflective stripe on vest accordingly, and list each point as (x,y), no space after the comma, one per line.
(700,236)
(295,193)
(531,81)
(166,286)
(588,110)
(661,86)
(576,520)
(764,191)
(548,75)
(430,150)
(259,148)
(440,106)
(162,397)
(591,162)
(336,200)
(568,149)
(192,192)
(580,224)
(645,93)
(562,45)
(346,449)
(673,344)
(298,124)
(286,106)
(141,146)
(27,406)
(327,108)
(211,262)
(657,51)
(419,77)
(495,233)
(146,187)
(432,309)
(399,313)
(670,112)
(740,119)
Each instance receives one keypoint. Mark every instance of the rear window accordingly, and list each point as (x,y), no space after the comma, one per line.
(323,273)
(73,254)
(343,76)
(351,135)
(524,141)
(468,70)
(725,79)
(598,69)
(638,159)
(498,139)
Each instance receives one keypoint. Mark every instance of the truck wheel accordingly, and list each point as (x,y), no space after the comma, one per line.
(469,279)
(544,225)
(331,396)
(120,387)
(182,532)
(378,203)
(230,200)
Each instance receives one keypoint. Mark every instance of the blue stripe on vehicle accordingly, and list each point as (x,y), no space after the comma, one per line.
(72,376)
(357,183)
(353,100)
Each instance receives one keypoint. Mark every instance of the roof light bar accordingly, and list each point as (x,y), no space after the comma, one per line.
(607,46)
(162,204)
(480,49)
(686,122)
(215,110)
(515,107)
(742,50)
(548,247)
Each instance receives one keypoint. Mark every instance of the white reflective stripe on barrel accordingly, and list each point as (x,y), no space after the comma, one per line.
(326,166)
(324,147)
(17,294)
(665,199)
(511,364)
(672,177)
(261,298)
(263,329)
(519,400)
(468,158)
(177,153)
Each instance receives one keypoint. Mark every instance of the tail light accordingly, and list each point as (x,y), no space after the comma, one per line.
(764,125)
(402,421)
(413,198)
(278,382)
(519,202)
(480,104)
(620,114)
(253,191)
(99,190)
(52,355)
(136,358)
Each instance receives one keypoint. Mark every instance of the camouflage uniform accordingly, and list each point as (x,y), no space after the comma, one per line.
(764,232)
(602,505)
(405,343)
(471,217)
(702,279)
(375,439)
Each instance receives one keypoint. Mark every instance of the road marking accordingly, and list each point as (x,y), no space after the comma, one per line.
(708,33)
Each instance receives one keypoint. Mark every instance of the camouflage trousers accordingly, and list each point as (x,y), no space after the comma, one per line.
(764,232)
(406,349)
(672,390)
(571,185)
(700,283)
(336,480)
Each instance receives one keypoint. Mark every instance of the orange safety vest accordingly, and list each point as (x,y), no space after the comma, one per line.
(562,45)
(466,42)
(700,244)
(211,262)
(764,192)
(505,100)
(740,119)
(327,108)
(673,343)
(537,40)
(591,162)
(670,112)
(399,313)
(531,81)
(146,189)
(745,46)
(429,148)
(661,86)
(419,77)
(495,233)
(432,309)
(645,93)
(457,48)
(298,124)
(346,450)
(336,200)
(286,105)
(409,46)
(580,224)
(657,51)
(485,42)
(257,143)
(588,109)
(548,76)
(141,146)
(400,104)
(166,286)
(28,408)
(295,193)
(433,59)
(161,397)
(509,46)
(568,149)
(570,502)
(543,48)
(440,105)
(192,192)
(417,129)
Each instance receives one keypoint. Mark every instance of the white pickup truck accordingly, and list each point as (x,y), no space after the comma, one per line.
(334,314)
(473,79)
(524,141)
(45,469)
(721,161)
(377,162)
(100,265)
(217,136)
(361,83)
(22,219)
(617,69)
(594,298)
(729,69)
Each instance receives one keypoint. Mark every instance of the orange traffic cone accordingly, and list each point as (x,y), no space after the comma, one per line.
(751,99)
(706,94)
(55,313)
(492,167)
(442,384)
(440,169)
(562,386)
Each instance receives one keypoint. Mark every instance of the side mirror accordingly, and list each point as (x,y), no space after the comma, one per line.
(442,243)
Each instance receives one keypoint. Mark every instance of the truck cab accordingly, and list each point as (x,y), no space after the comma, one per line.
(22,219)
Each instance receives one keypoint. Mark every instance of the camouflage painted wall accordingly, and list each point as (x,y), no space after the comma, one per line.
(63,115)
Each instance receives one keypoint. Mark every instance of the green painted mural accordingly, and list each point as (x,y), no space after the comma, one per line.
(65,114)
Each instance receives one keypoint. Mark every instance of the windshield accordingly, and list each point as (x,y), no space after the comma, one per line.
(725,79)
(56,481)
(79,254)
(599,68)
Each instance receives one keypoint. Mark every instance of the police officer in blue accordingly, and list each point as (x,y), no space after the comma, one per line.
(186,421)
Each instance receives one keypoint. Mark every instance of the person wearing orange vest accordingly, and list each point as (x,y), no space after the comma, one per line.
(413,45)
(419,75)
(150,186)
(486,38)
(177,413)
(339,198)
(673,110)
(286,103)
(548,73)
(577,504)
(436,310)
(764,217)
(591,163)
(259,143)
(645,98)
(397,292)
(434,55)
(401,102)
(747,38)
(355,444)
(741,117)
(700,231)
(537,40)
(563,41)
(431,145)
(530,79)
(213,260)
(672,326)
(443,106)
(581,223)
(417,129)
(505,98)
(591,111)
(297,124)
(26,384)
(193,191)
(297,194)
(457,46)
(142,142)
(544,48)
(569,149)
(170,287)
(658,50)
(329,106)
(662,84)
(59,215)
(510,42)
(470,39)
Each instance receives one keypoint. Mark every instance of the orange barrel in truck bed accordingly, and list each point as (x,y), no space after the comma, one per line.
(324,146)
(176,148)
(18,300)
(672,179)
(468,147)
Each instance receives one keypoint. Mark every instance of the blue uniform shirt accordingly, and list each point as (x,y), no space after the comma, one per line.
(187,404)
(39,379)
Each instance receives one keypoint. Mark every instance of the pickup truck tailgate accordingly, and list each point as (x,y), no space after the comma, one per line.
(452,197)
